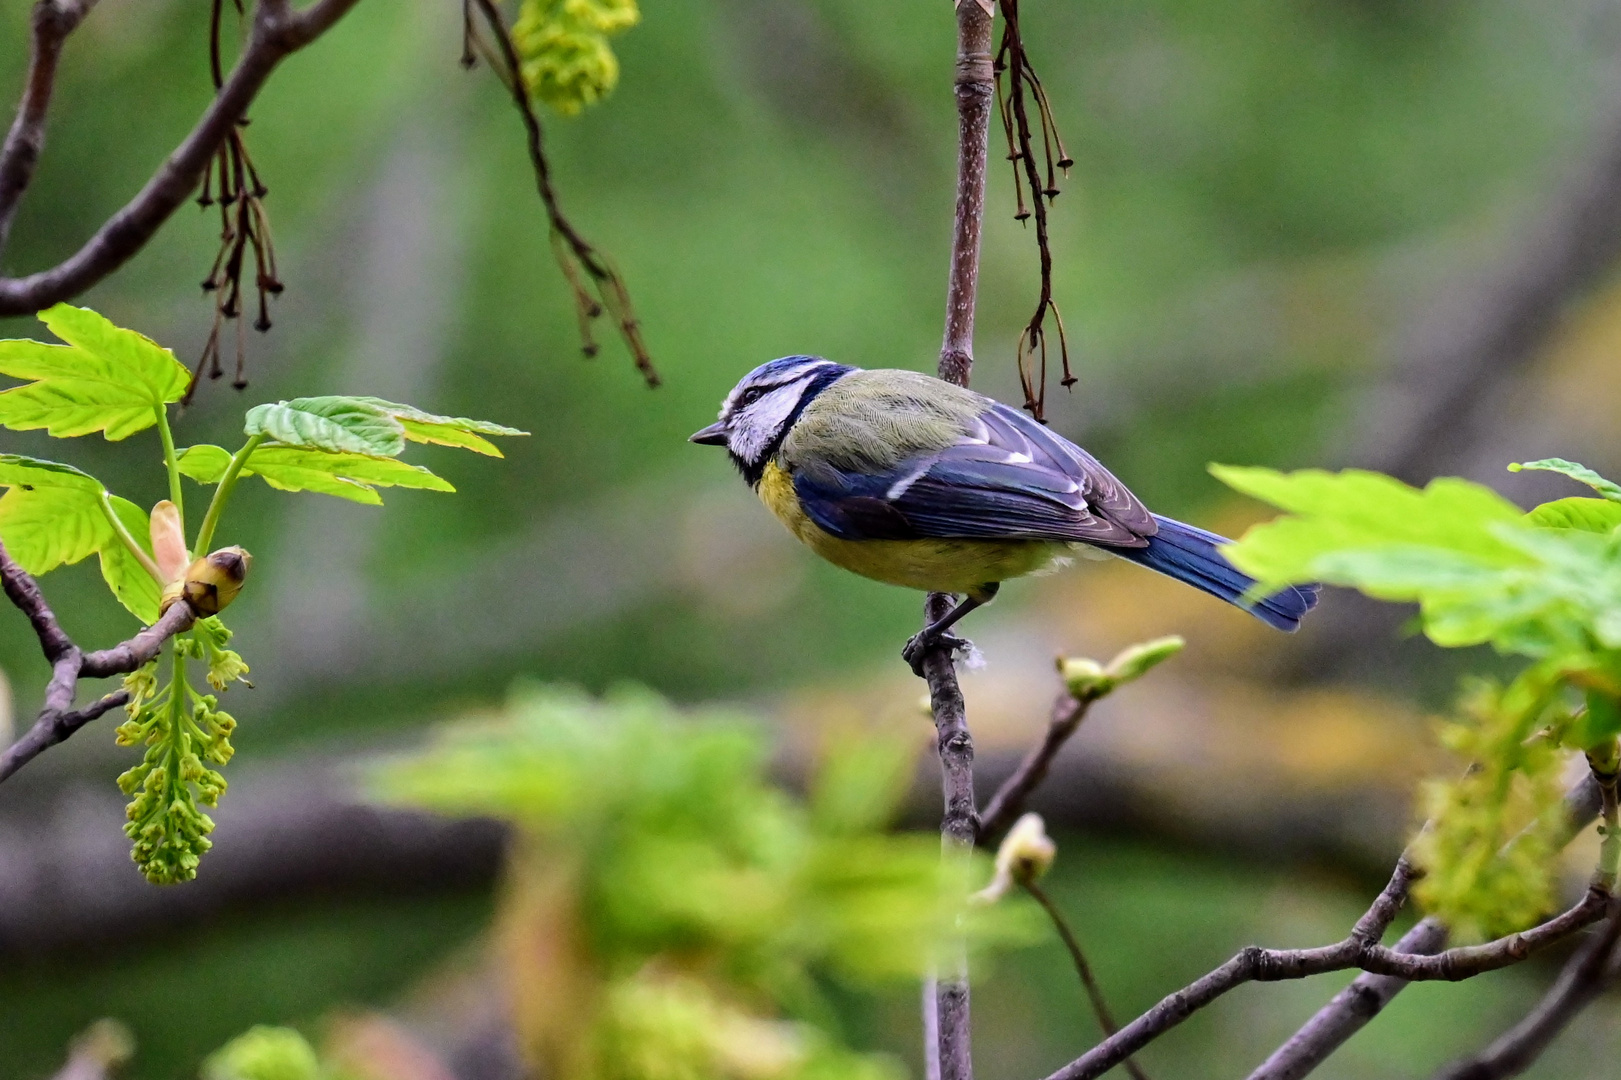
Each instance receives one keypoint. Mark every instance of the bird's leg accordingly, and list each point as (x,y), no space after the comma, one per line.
(935,633)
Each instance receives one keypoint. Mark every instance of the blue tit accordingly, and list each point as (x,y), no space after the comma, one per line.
(912,481)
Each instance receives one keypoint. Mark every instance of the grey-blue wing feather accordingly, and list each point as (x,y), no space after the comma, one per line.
(1007,477)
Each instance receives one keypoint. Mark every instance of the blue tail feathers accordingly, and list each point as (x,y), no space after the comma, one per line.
(1189,555)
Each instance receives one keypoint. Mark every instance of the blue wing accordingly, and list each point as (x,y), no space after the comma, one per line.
(1006,477)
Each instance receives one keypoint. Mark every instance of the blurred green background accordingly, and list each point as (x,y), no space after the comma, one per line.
(1264,192)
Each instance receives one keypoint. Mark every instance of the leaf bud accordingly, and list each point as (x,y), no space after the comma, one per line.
(1085,678)
(212,581)
(1134,661)
(1025,855)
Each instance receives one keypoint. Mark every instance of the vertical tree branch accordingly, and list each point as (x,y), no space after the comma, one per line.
(975,88)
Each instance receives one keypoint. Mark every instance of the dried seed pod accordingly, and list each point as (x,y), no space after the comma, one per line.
(212,581)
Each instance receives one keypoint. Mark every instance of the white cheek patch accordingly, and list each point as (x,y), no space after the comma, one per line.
(754,429)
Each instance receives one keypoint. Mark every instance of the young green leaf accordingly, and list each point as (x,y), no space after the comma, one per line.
(104,379)
(46,527)
(293,468)
(336,424)
(1589,515)
(1580,473)
(424,427)
(1333,513)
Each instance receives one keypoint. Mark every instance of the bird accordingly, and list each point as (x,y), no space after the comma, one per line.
(913,481)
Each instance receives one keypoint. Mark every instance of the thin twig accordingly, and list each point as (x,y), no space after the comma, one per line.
(53,21)
(1255,964)
(58,719)
(1009,800)
(1094,992)
(277,32)
(1013,61)
(1582,980)
(574,253)
(1353,1007)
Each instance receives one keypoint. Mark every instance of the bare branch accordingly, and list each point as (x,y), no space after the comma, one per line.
(1009,800)
(1256,964)
(1352,1008)
(53,21)
(58,719)
(1094,992)
(277,32)
(1582,980)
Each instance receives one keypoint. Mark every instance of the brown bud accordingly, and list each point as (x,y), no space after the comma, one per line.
(212,581)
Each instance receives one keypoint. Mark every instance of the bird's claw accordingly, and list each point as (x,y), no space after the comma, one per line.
(922,643)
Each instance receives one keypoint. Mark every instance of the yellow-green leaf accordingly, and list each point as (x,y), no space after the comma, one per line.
(46,527)
(459,431)
(1332,513)
(204,463)
(16,470)
(104,379)
(295,468)
(1589,515)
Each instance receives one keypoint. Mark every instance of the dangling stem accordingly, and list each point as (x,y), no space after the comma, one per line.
(171,463)
(222,493)
(135,549)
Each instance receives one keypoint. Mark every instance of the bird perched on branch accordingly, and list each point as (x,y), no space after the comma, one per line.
(910,480)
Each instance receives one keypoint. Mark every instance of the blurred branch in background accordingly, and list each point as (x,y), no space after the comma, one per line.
(53,21)
(1443,406)
(276,32)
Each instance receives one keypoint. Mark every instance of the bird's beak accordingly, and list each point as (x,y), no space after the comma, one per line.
(713,435)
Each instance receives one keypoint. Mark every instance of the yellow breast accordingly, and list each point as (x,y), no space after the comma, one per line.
(933,565)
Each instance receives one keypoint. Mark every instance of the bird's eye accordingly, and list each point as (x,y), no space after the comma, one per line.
(751,395)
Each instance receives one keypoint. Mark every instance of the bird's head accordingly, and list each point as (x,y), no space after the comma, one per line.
(761,408)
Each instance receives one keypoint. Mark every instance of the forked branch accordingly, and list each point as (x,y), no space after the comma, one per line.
(58,719)
(277,32)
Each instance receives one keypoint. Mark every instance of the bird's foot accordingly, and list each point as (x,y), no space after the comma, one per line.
(922,643)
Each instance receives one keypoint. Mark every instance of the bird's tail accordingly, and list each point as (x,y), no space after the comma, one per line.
(1189,555)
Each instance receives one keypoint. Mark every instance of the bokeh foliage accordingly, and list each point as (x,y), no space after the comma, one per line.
(671,913)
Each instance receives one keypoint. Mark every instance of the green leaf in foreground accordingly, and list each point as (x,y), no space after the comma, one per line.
(1588,515)
(104,379)
(51,513)
(425,427)
(1332,513)
(1580,473)
(337,424)
(355,477)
